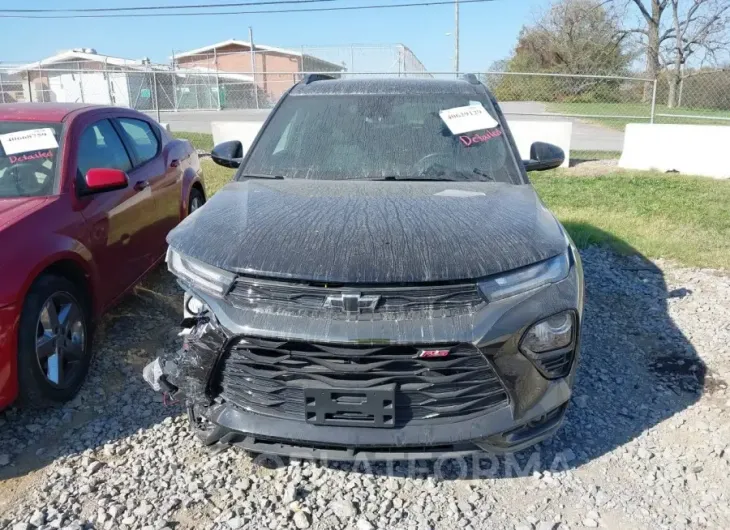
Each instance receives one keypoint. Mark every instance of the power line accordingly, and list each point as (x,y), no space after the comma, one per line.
(265,11)
(144,8)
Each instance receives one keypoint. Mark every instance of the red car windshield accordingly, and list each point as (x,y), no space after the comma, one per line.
(28,158)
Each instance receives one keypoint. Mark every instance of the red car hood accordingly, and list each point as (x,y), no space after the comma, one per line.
(15,208)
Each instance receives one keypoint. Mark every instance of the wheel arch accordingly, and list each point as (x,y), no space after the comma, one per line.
(191,180)
(72,271)
(75,269)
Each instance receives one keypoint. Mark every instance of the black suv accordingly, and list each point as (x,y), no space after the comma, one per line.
(379,280)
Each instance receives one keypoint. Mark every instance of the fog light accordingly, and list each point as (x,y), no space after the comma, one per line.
(553,333)
(194,306)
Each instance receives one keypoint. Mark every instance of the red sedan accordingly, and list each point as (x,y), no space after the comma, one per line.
(87,196)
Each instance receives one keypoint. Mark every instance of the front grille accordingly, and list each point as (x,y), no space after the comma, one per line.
(268,377)
(278,296)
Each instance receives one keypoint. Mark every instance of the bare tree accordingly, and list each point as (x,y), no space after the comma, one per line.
(651,12)
(699,29)
(696,28)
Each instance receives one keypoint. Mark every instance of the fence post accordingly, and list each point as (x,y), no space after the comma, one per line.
(154,91)
(2,92)
(30,89)
(175,103)
(217,79)
(253,66)
(653,101)
(108,81)
(81,86)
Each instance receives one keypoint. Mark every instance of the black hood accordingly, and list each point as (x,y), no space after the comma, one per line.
(370,232)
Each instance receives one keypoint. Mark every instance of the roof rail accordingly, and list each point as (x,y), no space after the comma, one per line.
(471,79)
(311,78)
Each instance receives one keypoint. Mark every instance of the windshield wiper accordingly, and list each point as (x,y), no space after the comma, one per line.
(262,176)
(416,179)
(475,171)
(481,173)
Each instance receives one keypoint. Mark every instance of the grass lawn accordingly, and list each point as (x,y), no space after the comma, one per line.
(679,217)
(215,176)
(686,219)
(636,109)
(576,154)
(201,141)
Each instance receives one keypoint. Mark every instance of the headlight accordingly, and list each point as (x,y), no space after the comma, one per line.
(552,333)
(207,278)
(527,278)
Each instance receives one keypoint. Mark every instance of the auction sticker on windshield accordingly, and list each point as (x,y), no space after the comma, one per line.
(461,120)
(31,140)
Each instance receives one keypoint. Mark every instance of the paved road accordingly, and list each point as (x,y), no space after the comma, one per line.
(199,121)
(586,136)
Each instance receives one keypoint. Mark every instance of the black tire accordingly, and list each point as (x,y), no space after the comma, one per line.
(196,200)
(36,389)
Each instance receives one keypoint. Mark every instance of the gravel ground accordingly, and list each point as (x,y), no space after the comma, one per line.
(646,442)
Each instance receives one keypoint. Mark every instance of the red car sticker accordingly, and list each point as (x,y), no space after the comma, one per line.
(40,155)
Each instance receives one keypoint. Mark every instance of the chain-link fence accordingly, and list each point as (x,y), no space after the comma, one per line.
(614,100)
(582,96)
(221,82)
(224,77)
(151,88)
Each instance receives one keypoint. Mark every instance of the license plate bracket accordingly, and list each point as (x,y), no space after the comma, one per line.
(351,407)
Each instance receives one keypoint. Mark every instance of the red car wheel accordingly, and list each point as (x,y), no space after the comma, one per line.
(54,342)
(197,199)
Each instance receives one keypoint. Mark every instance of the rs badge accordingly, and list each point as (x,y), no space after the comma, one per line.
(430,354)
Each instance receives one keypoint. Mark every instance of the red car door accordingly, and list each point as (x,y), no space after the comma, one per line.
(118,221)
(162,171)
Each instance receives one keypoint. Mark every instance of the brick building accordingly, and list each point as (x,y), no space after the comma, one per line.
(274,69)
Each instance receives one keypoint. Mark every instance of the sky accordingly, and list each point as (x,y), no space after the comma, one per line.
(488,30)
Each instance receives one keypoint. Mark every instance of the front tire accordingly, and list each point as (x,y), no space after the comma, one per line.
(54,342)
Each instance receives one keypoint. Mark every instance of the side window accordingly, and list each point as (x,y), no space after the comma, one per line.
(143,139)
(100,146)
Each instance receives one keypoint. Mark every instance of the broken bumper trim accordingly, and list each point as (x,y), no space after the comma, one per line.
(495,432)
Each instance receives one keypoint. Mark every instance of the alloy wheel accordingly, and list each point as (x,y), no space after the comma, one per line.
(195,203)
(60,339)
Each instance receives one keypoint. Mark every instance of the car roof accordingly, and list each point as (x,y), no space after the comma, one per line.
(43,112)
(387,86)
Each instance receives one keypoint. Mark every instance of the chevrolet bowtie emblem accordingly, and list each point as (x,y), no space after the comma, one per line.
(352,302)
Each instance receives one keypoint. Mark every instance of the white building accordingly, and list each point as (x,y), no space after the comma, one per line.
(84,76)
(80,76)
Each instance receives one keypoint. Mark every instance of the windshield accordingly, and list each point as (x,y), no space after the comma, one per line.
(379,137)
(28,158)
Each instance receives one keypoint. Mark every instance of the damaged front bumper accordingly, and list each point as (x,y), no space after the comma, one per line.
(224,369)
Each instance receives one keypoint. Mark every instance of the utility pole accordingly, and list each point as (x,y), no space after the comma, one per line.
(456,37)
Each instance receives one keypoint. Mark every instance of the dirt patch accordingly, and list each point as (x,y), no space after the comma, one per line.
(591,168)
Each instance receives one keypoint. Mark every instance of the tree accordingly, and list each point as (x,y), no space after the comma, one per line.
(671,32)
(652,12)
(698,29)
(574,36)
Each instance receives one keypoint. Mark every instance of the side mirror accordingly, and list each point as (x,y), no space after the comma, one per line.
(228,154)
(99,180)
(544,156)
